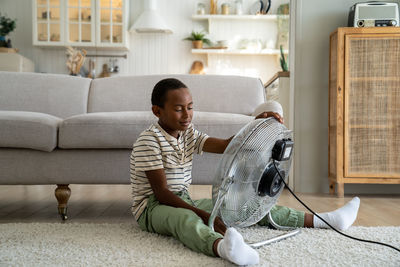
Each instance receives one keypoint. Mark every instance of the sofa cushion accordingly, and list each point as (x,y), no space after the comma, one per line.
(220,125)
(28,130)
(104,129)
(211,93)
(59,95)
(121,129)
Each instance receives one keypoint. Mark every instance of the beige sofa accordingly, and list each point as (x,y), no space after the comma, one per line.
(61,130)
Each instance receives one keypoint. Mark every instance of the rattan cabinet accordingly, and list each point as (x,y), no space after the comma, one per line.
(364,107)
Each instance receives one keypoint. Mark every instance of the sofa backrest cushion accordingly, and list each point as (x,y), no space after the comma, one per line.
(211,93)
(58,95)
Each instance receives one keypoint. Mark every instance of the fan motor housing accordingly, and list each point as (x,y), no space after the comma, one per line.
(270,182)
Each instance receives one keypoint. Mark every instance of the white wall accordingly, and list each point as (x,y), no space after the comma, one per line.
(148,53)
(315,20)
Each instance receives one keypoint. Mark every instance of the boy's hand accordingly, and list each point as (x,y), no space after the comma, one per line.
(268,114)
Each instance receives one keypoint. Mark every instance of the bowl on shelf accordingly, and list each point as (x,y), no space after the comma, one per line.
(222,43)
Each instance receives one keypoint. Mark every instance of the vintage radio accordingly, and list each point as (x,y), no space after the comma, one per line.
(374,14)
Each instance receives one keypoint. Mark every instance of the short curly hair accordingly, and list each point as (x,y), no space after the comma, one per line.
(160,90)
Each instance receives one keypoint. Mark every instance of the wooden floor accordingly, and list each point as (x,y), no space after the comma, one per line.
(111,204)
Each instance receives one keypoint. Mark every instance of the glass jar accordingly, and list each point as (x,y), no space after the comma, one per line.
(201,9)
(239,7)
(225,9)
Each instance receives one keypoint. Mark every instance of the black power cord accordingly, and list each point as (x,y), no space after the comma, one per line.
(333,228)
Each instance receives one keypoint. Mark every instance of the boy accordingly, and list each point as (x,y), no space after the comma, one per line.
(161,163)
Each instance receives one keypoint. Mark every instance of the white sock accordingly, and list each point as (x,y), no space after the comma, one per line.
(341,218)
(233,248)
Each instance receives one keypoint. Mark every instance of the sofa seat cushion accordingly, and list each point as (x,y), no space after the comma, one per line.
(114,130)
(32,130)
(104,129)
(220,125)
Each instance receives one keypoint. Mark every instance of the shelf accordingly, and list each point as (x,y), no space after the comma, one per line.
(239,17)
(48,21)
(238,51)
(8,50)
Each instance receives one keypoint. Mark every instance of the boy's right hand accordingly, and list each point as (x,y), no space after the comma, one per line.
(267,114)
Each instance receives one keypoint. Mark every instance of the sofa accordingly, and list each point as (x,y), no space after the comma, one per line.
(62,130)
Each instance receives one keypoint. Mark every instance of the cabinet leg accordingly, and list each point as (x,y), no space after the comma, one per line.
(332,187)
(340,190)
(62,193)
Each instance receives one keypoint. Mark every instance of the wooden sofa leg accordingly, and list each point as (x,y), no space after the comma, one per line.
(62,193)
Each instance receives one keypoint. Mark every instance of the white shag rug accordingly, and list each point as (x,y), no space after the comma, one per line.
(73,244)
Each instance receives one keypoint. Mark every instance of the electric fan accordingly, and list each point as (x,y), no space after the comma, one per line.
(247,184)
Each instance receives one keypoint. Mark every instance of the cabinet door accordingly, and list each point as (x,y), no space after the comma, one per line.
(372,105)
(111,29)
(80,23)
(48,22)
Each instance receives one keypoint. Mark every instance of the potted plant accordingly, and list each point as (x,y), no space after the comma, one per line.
(198,38)
(7,25)
(284,65)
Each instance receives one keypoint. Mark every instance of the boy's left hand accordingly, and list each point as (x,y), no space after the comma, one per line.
(268,114)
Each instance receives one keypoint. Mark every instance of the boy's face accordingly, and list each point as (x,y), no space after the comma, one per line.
(177,113)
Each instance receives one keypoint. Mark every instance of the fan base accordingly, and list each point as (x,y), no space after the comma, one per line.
(275,239)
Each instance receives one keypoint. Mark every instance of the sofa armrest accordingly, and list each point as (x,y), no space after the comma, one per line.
(269,106)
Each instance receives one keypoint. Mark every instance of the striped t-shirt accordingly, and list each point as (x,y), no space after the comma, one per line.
(156,149)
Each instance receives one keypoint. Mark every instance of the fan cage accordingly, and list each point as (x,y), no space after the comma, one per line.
(244,161)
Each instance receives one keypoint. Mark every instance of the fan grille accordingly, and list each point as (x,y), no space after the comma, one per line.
(244,161)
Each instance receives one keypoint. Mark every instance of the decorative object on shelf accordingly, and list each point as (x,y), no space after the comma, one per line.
(266,7)
(239,7)
(283,26)
(46,15)
(222,43)
(92,69)
(7,25)
(270,44)
(75,60)
(257,7)
(225,9)
(250,44)
(198,38)
(213,6)
(201,9)
(284,65)
(55,37)
(104,73)
(197,67)
(113,67)
(283,9)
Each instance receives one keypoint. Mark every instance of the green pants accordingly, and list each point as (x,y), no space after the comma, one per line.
(187,227)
